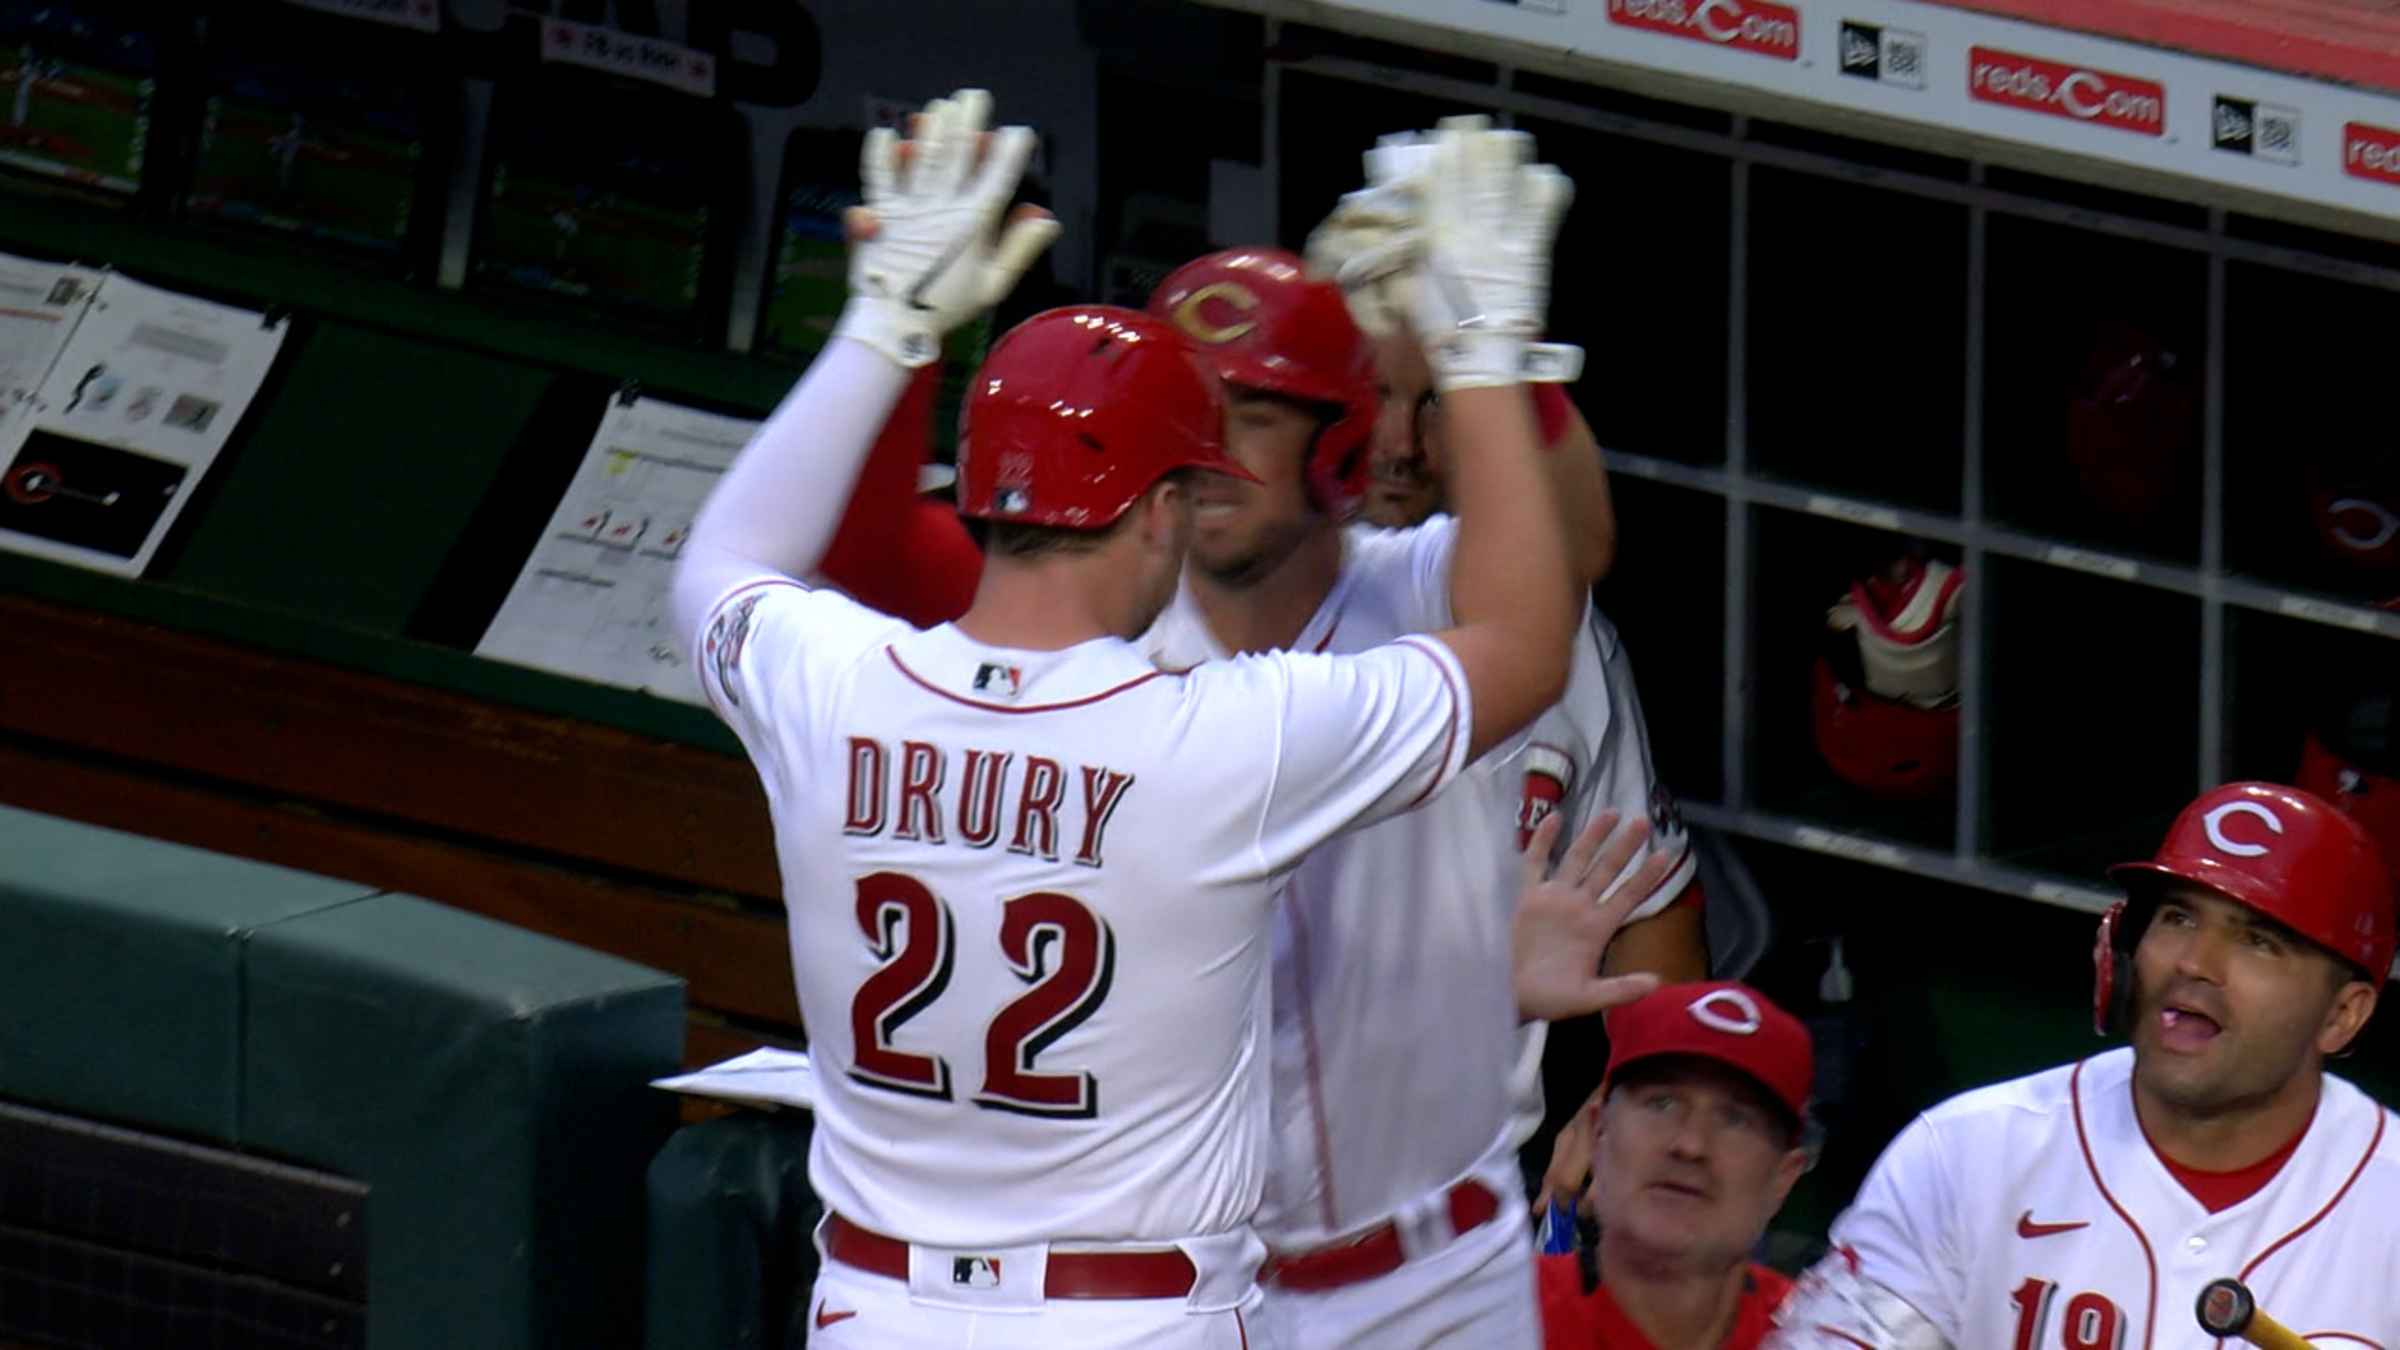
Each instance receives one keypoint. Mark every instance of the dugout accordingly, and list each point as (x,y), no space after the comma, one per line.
(2074,299)
(1825,329)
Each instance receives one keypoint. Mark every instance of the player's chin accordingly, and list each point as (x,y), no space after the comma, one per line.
(1396,508)
(1673,1225)
(2190,1080)
(1224,550)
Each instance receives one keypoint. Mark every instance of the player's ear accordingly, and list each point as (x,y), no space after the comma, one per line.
(2353,1004)
(1789,1168)
(1166,513)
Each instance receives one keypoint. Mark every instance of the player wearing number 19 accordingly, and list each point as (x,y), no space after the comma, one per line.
(2089,1206)
(1029,875)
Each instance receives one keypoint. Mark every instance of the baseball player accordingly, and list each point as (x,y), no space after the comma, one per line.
(1592,750)
(2089,1205)
(1696,1142)
(1393,1218)
(1382,1208)
(1030,873)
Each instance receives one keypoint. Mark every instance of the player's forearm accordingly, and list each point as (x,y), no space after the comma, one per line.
(1671,944)
(1510,576)
(1580,481)
(777,508)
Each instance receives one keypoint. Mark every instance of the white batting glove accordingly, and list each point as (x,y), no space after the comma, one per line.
(932,262)
(1452,236)
(1483,288)
(1372,241)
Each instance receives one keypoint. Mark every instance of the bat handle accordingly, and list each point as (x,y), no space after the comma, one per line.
(2227,1308)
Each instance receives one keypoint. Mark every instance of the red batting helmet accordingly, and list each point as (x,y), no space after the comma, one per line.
(2350,766)
(1886,697)
(1078,411)
(2289,854)
(1263,323)
(2133,423)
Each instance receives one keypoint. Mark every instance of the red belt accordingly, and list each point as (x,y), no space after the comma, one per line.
(1378,1252)
(1155,1274)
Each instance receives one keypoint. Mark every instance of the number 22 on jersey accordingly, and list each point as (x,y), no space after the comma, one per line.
(1051,942)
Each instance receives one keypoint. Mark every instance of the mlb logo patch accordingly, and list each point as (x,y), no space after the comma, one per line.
(993,678)
(975,1272)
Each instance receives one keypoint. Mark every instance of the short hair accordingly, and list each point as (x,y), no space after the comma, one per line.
(1019,540)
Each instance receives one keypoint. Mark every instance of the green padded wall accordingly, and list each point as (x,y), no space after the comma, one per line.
(120,958)
(488,1085)
(491,1085)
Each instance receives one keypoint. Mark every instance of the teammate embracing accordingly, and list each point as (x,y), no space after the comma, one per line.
(1030,874)
(1393,1218)
(2088,1206)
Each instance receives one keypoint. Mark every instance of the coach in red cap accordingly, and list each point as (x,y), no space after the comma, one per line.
(1697,1142)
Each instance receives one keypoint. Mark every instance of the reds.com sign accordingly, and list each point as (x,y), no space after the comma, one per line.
(2371,152)
(1750,25)
(2079,92)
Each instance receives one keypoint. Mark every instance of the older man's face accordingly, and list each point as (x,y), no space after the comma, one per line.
(1691,1163)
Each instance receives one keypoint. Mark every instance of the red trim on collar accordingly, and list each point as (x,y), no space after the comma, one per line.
(2315,1219)
(932,688)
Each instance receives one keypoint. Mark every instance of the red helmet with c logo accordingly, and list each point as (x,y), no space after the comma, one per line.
(1262,322)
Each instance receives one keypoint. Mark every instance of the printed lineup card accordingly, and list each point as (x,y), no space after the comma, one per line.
(592,600)
(139,401)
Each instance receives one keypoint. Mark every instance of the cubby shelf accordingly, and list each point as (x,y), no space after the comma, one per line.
(2142,426)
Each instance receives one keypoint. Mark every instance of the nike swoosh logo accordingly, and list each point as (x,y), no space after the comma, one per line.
(826,1319)
(916,293)
(2027,1228)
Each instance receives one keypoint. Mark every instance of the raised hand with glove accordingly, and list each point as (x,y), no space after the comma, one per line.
(928,254)
(1451,238)
(924,256)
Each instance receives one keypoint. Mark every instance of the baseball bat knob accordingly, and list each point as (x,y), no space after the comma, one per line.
(2225,1307)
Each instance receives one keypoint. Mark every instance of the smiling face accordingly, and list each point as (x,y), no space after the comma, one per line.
(2233,1011)
(1691,1162)
(1244,531)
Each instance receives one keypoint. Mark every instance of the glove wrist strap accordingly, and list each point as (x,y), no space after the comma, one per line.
(899,331)
(1552,363)
(1476,359)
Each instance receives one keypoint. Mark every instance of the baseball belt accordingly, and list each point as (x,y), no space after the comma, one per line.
(1166,1273)
(1375,1253)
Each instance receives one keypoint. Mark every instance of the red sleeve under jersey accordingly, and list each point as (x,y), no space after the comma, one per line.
(1551,409)
(896,550)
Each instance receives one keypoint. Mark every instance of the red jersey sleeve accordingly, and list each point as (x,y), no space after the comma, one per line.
(897,551)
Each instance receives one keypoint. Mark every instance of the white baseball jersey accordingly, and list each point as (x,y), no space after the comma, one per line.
(1392,956)
(1029,895)
(1597,740)
(2035,1214)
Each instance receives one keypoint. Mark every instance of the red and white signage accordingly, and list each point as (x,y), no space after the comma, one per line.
(2214,122)
(1759,26)
(2371,152)
(2036,85)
